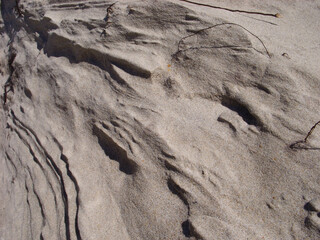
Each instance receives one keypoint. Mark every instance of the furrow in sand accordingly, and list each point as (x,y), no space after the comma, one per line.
(64,158)
(54,167)
(77,188)
(42,210)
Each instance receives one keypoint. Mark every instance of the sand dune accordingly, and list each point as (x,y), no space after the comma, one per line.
(159,120)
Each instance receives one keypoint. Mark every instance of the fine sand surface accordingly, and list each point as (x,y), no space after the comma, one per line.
(160,120)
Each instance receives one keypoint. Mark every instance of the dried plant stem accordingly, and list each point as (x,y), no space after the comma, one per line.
(220,24)
(302,143)
(232,10)
(310,132)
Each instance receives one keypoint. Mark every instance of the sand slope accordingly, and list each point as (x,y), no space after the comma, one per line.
(159,120)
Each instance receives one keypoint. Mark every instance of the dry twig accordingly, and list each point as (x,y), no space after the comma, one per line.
(297,144)
(277,15)
(216,25)
(310,132)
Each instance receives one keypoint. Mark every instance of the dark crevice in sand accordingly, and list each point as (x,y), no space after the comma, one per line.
(186,228)
(167,155)
(181,193)
(263,88)
(169,166)
(59,46)
(231,126)
(115,152)
(194,233)
(38,199)
(76,185)
(29,208)
(9,84)
(9,159)
(41,27)
(240,109)
(36,160)
(52,165)
(177,190)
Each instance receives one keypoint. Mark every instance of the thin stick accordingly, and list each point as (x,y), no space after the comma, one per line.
(233,10)
(297,145)
(310,132)
(220,24)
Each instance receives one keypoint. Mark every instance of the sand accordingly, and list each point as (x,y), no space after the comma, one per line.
(159,120)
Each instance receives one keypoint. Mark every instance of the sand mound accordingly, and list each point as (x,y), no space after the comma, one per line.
(159,120)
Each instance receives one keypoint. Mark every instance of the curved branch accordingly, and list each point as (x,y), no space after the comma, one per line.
(220,24)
